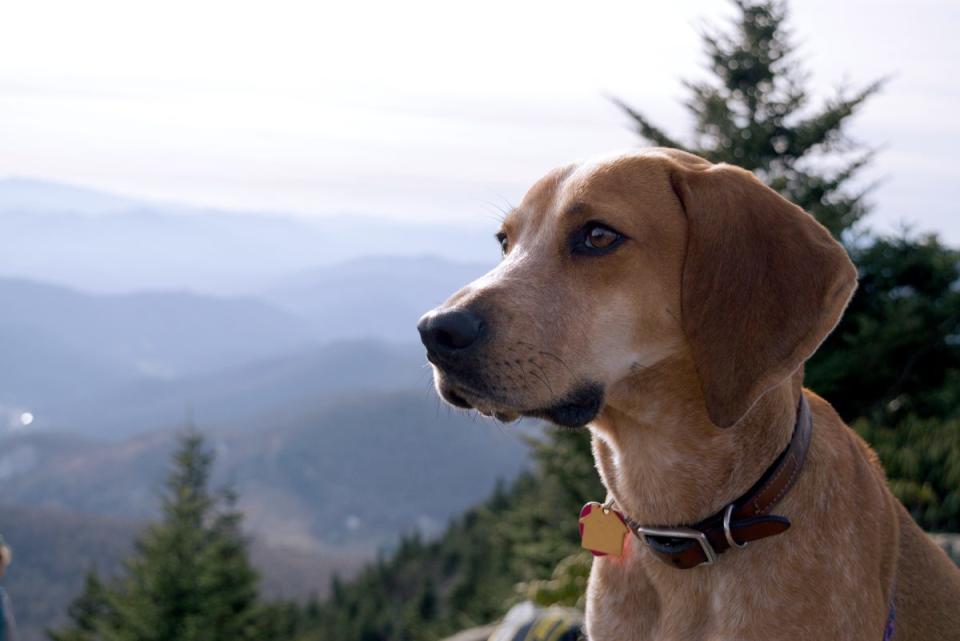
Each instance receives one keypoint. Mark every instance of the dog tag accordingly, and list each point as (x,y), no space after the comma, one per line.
(602,530)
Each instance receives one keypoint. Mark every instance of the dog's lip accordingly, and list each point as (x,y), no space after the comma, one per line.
(575,409)
(454,397)
(462,395)
(468,398)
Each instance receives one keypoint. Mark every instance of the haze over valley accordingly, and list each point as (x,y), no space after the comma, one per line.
(290,342)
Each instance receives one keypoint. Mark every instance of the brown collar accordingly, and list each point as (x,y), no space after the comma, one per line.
(746,519)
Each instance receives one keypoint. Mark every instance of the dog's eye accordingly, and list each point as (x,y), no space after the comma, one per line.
(504,245)
(596,238)
(601,238)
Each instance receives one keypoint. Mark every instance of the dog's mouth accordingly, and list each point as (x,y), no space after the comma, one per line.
(469,398)
(574,409)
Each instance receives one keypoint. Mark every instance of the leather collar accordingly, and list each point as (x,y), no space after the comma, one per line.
(745,519)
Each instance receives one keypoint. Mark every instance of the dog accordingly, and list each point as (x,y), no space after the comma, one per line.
(668,304)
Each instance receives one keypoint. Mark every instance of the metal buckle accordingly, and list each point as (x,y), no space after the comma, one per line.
(726,529)
(682,533)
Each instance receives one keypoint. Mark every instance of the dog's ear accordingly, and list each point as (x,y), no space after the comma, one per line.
(763,285)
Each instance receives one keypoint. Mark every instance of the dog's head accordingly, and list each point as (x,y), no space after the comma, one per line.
(611,266)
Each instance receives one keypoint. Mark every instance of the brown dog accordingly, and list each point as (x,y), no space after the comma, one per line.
(668,304)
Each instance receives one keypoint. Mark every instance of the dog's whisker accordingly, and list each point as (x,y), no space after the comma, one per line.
(542,371)
(544,381)
(558,359)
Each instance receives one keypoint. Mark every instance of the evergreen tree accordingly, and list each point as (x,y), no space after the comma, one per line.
(754,112)
(895,351)
(188,579)
(87,613)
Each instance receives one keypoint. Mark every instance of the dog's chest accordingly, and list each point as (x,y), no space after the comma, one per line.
(640,598)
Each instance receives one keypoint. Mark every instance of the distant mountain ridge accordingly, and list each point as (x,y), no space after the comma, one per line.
(63,347)
(57,233)
(381,296)
(116,364)
(162,334)
(353,471)
(236,397)
(19,194)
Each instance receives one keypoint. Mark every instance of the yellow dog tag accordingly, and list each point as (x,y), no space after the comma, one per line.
(602,530)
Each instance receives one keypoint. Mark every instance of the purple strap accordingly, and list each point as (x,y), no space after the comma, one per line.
(891,619)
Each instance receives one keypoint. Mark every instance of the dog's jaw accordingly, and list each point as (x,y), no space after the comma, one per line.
(575,409)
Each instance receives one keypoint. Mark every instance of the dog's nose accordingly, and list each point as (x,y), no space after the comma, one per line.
(450,330)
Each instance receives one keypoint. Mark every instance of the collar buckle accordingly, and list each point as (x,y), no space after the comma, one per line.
(726,529)
(680,533)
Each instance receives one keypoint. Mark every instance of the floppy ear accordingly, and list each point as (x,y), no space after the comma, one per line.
(763,285)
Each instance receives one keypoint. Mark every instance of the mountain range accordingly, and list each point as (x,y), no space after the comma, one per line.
(290,342)
(92,241)
(118,364)
(352,472)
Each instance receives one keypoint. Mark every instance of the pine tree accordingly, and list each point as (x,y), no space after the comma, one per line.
(754,112)
(895,351)
(87,613)
(188,579)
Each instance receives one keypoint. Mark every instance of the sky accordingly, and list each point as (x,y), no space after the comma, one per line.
(438,111)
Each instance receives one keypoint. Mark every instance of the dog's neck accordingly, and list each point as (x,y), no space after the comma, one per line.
(665,463)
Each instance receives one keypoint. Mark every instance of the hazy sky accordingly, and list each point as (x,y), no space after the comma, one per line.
(443,110)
